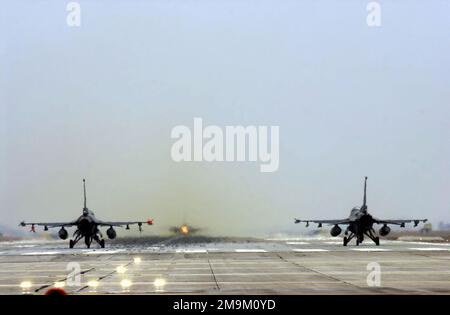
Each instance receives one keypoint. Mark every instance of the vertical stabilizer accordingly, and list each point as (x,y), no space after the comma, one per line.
(364,206)
(84,189)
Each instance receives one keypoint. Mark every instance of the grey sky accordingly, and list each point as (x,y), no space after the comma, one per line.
(100,101)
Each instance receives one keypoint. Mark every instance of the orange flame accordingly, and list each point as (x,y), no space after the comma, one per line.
(184,229)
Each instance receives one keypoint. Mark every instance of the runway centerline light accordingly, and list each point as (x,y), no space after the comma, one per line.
(93,284)
(137,260)
(121,269)
(125,283)
(59,284)
(159,282)
(25,285)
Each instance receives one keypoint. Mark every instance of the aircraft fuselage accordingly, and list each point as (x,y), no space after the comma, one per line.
(87,227)
(361,223)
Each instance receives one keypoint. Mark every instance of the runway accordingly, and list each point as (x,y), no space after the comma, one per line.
(265,266)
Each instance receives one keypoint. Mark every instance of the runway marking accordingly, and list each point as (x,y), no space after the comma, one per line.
(153,248)
(333,243)
(307,250)
(250,251)
(427,243)
(288,239)
(190,251)
(429,248)
(102,252)
(297,243)
(40,253)
(371,249)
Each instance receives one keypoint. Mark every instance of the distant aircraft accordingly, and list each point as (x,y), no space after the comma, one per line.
(87,226)
(184,229)
(360,223)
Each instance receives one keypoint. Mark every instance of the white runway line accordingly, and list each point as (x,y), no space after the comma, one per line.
(425,243)
(103,252)
(430,248)
(40,253)
(297,243)
(304,238)
(250,251)
(190,251)
(153,248)
(371,249)
(310,250)
(333,243)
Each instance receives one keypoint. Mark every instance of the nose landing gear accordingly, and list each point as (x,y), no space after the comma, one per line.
(88,241)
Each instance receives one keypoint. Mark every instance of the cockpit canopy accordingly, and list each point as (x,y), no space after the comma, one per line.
(87,212)
(357,212)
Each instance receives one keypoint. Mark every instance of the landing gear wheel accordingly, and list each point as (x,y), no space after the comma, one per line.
(377,241)
(102,243)
(345,241)
(71,243)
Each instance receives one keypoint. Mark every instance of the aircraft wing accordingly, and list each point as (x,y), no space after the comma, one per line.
(48,224)
(124,223)
(400,222)
(320,222)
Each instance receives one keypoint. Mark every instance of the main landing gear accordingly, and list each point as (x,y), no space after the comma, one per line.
(77,236)
(371,235)
(349,238)
(87,240)
(360,238)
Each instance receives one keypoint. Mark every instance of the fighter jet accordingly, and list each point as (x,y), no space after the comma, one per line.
(87,226)
(360,223)
(184,230)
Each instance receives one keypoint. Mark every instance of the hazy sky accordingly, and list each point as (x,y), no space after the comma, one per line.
(99,101)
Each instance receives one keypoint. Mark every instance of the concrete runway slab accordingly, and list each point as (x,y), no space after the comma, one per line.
(275,266)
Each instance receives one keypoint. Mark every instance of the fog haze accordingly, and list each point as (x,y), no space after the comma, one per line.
(99,102)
